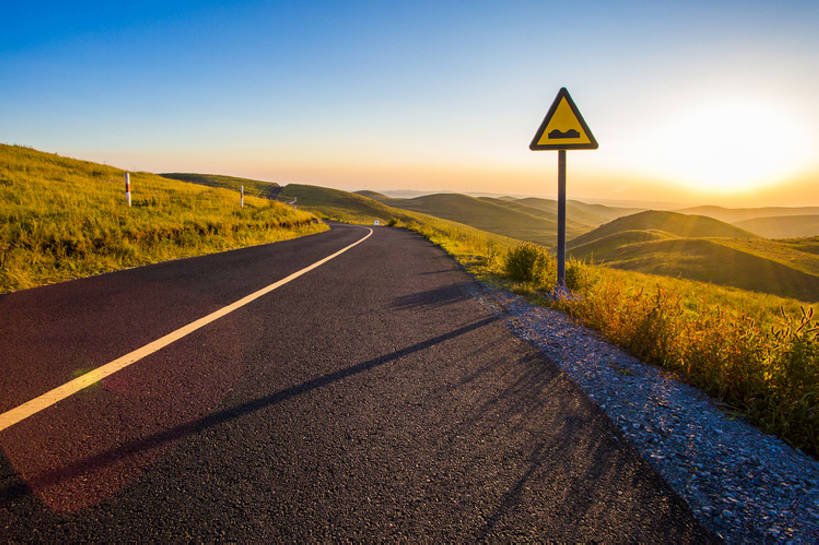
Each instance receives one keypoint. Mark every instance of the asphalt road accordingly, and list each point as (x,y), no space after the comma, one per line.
(369,400)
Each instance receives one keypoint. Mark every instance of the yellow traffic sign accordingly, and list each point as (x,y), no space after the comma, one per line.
(563,127)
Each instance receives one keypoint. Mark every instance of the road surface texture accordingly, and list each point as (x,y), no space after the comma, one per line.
(371,399)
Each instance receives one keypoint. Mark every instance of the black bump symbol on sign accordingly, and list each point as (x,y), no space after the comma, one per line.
(571,133)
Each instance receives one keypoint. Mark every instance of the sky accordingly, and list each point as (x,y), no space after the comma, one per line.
(690,102)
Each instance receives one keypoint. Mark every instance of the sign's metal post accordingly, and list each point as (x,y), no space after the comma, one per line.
(561,220)
(563,128)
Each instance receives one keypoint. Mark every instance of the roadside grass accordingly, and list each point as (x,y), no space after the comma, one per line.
(756,353)
(62,219)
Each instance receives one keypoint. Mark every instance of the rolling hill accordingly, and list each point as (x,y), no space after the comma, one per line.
(494,215)
(673,223)
(533,219)
(256,188)
(734,215)
(703,249)
(375,195)
(589,214)
(338,204)
(782,226)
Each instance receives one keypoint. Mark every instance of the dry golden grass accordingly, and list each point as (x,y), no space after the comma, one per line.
(62,218)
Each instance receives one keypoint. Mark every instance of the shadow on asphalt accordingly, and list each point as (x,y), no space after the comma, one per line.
(556,439)
(442,271)
(446,295)
(16,490)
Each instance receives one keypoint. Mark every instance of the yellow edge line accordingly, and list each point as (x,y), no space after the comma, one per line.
(21,412)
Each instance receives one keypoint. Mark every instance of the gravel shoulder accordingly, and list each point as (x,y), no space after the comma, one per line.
(743,485)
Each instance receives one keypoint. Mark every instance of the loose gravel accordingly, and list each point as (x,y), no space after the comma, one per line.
(742,484)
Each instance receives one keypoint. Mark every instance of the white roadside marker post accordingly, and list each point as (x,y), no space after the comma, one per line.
(241,196)
(128,188)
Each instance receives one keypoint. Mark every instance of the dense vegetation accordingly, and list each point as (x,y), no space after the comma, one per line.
(62,218)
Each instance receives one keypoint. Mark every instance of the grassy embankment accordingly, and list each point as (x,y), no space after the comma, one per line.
(62,218)
(757,353)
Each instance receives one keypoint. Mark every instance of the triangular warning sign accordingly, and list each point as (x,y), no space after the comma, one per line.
(563,127)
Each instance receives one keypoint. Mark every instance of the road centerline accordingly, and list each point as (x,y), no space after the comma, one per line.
(43,401)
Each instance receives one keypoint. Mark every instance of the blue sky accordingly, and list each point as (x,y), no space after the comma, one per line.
(429,96)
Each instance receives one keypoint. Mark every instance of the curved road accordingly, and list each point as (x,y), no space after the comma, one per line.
(370,399)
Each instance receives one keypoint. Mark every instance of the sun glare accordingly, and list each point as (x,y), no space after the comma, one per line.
(731,146)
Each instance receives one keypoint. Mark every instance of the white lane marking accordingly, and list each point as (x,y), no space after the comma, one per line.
(21,412)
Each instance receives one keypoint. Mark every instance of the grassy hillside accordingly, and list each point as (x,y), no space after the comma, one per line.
(700,248)
(602,249)
(806,244)
(589,214)
(493,215)
(673,223)
(256,188)
(375,195)
(339,205)
(799,254)
(710,261)
(531,219)
(733,215)
(62,218)
(782,226)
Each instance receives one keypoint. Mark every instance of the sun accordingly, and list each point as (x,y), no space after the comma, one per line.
(731,145)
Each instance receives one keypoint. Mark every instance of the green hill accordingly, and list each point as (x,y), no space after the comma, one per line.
(673,223)
(805,244)
(589,214)
(256,188)
(493,215)
(703,249)
(710,261)
(734,215)
(601,249)
(782,226)
(339,205)
(520,207)
(375,195)
(63,218)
